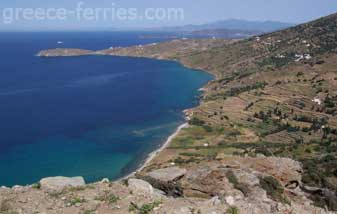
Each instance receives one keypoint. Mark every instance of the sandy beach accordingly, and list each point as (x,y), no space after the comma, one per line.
(152,155)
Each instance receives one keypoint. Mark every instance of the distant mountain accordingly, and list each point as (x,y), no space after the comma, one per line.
(224,33)
(233,24)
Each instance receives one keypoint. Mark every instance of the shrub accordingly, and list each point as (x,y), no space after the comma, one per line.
(145,208)
(231,177)
(207,128)
(239,186)
(196,122)
(75,201)
(89,211)
(273,188)
(109,198)
(299,74)
(36,185)
(232,210)
(243,188)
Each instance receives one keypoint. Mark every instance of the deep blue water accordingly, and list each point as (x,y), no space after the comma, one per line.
(93,116)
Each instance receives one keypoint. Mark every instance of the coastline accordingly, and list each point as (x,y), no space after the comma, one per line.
(190,164)
(151,156)
(156,152)
(162,145)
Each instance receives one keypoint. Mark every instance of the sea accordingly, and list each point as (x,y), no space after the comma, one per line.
(91,116)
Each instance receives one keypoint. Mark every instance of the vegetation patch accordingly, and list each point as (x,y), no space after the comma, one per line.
(145,208)
(196,122)
(36,185)
(232,210)
(75,201)
(274,189)
(237,185)
(109,198)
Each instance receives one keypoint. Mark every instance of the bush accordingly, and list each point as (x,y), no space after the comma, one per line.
(232,210)
(36,185)
(76,200)
(231,177)
(239,186)
(109,198)
(243,188)
(207,128)
(145,208)
(196,122)
(273,188)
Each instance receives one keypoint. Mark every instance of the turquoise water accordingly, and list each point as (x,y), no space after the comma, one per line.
(91,116)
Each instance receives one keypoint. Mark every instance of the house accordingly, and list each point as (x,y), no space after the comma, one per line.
(318,101)
(280,56)
(307,56)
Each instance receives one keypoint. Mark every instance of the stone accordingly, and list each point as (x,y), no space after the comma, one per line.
(105,181)
(245,177)
(167,174)
(215,201)
(230,200)
(167,180)
(59,183)
(158,192)
(138,186)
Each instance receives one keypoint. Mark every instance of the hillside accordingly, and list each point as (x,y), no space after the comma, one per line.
(264,137)
(275,95)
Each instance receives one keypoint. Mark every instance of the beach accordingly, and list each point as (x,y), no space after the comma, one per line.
(154,154)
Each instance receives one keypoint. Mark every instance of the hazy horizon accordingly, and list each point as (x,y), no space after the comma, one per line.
(191,12)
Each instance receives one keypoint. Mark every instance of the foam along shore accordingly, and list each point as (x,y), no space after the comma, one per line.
(154,154)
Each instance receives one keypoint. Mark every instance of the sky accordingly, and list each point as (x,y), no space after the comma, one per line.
(194,12)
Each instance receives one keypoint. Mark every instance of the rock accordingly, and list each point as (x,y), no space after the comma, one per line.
(215,201)
(168,174)
(158,192)
(105,181)
(260,155)
(206,182)
(18,188)
(292,185)
(166,180)
(246,177)
(4,188)
(138,186)
(183,210)
(59,183)
(230,200)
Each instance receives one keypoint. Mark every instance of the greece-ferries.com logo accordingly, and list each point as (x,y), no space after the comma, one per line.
(82,13)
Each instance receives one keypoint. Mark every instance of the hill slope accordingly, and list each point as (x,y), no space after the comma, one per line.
(274,98)
(274,95)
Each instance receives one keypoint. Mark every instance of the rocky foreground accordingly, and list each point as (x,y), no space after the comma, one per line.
(241,185)
(263,140)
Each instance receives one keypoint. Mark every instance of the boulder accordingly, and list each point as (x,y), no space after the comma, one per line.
(105,181)
(167,180)
(138,186)
(59,183)
(167,174)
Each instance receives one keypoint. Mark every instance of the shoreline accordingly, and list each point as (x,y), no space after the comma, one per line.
(156,152)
